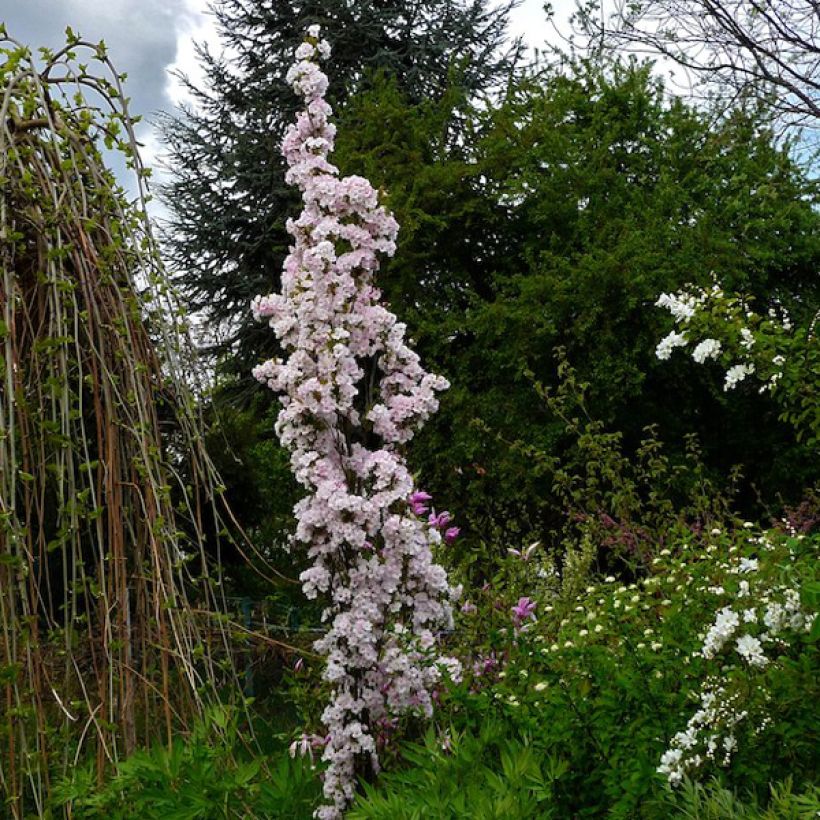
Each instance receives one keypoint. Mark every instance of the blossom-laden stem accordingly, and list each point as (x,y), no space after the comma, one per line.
(346,428)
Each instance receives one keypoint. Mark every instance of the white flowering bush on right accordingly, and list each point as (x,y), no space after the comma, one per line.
(703,666)
(767,349)
(763,623)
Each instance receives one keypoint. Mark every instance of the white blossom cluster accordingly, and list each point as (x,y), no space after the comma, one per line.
(755,628)
(709,734)
(695,309)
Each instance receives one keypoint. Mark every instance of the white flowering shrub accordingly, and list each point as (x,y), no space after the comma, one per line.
(754,631)
(703,665)
(781,357)
(353,394)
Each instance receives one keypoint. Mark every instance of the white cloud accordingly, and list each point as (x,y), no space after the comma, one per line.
(531,22)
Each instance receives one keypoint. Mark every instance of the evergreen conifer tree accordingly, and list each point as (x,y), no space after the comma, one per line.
(227,196)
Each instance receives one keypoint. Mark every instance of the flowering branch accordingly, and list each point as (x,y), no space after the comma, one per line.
(353,393)
(782,357)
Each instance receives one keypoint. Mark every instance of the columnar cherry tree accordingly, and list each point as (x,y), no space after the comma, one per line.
(353,394)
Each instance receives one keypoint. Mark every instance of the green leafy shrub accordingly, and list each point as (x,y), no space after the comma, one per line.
(713,802)
(485,775)
(597,684)
(215,773)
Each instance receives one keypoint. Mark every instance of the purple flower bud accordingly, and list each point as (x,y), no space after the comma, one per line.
(525,608)
(451,534)
(439,521)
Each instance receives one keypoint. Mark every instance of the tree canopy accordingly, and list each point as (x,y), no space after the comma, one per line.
(227,196)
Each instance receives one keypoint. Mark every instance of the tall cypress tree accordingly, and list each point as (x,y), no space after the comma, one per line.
(227,196)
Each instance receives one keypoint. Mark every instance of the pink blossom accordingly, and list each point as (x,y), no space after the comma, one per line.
(348,376)
(524,609)
(451,534)
(418,502)
(439,521)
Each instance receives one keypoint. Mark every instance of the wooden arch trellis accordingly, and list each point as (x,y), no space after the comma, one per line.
(106,492)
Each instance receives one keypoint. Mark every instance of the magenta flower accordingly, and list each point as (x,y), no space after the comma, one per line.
(418,502)
(525,608)
(451,534)
(439,521)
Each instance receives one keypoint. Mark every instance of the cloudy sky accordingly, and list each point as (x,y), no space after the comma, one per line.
(148,38)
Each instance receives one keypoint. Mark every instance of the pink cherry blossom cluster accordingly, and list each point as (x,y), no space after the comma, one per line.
(353,393)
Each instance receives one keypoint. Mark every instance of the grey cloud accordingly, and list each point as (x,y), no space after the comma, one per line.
(141,36)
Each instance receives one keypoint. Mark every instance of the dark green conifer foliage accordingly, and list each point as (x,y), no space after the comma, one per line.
(227,196)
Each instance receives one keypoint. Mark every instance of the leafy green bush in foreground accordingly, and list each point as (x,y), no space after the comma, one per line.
(570,703)
(208,776)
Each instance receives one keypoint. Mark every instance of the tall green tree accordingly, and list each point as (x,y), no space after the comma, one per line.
(558,220)
(227,195)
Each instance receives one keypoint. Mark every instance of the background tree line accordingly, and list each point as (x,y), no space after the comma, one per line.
(541,207)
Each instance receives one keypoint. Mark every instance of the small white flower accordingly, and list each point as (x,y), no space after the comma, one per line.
(750,649)
(736,374)
(707,349)
(680,305)
(747,339)
(669,342)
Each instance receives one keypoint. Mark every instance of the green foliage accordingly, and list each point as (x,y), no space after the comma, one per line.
(557,219)
(486,775)
(259,488)
(597,686)
(213,774)
(713,802)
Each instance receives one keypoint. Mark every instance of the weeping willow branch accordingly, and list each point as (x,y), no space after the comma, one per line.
(110,510)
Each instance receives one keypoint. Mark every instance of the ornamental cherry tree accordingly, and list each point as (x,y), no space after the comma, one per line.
(353,394)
